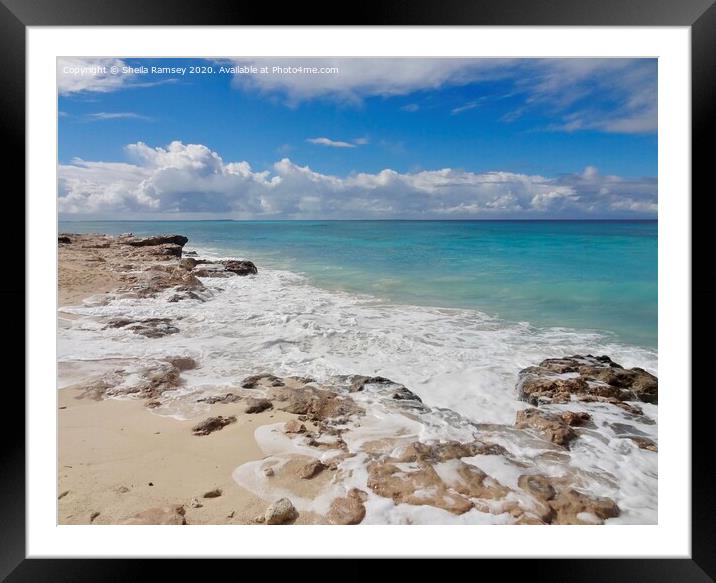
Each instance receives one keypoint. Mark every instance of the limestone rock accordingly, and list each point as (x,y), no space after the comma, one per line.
(281,512)
(212,424)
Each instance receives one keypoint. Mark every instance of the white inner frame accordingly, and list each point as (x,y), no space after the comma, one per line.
(671,537)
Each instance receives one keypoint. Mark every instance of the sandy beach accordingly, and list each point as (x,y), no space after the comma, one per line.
(153,437)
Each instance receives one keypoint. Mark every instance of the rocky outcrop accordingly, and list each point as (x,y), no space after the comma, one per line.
(281,512)
(212,424)
(227,398)
(224,268)
(556,380)
(64,239)
(155,240)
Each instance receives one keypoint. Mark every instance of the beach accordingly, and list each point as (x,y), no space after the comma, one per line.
(198,388)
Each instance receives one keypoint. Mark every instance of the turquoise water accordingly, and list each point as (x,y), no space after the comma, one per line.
(596,275)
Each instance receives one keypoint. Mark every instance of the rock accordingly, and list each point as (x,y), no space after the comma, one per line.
(179,240)
(644,442)
(281,512)
(348,509)
(240,267)
(446,450)
(149,327)
(182,362)
(173,514)
(359,382)
(153,404)
(539,486)
(190,253)
(311,470)
(422,484)
(558,378)
(215,493)
(575,419)
(212,424)
(251,381)
(294,426)
(195,503)
(188,263)
(551,425)
(63,239)
(63,494)
(572,507)
(268,472)
(227,398)
(93,516)
(254,405)
(317,404)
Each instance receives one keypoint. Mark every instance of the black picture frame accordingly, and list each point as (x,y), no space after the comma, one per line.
(699,15)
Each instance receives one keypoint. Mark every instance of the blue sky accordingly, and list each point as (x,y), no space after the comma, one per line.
(416,138)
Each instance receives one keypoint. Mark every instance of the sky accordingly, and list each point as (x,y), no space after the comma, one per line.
(357,138)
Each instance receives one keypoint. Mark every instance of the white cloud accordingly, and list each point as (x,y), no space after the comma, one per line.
(75,75)
(609,95)
(186,179)
(110,115)
(330,143)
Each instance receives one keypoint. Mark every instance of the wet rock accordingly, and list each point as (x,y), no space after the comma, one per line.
(173,514)
(212,424)
(348,509)
(240,267)
(148,327)
(179,240)
(268,472)
(557,378)
(446,450)
(188,263)
(250,382)
(254,405)
(215,493)
(573,507)
(190,253)
(311,470)
(644,442)
(359,382)
(182,362)
(153,404)
(551,426)
(317,404)
(294,426)
(281,512)
(145,379)
(227,398)
(64,239)
(539,486)
(576,418)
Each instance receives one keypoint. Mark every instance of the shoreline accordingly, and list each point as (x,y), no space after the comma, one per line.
(125,449)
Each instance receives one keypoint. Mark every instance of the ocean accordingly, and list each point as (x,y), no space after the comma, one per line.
(452,310)
(598,276)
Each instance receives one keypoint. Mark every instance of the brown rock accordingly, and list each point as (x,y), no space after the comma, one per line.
(294,426)
(348,509)
(569,503)
(311,470)
(576,419)
(215,493)
(644,442)
(179,240)
(539,486)
(240,267)
(212,424)
(254,405)
(552,426)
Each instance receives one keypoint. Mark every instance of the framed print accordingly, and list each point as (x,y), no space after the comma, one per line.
(402,287)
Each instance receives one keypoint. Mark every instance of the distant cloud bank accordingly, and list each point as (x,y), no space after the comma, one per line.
(190,179)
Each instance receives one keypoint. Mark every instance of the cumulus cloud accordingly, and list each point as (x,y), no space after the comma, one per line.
(185,179)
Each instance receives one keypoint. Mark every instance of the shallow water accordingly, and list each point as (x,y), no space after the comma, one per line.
(587,275)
